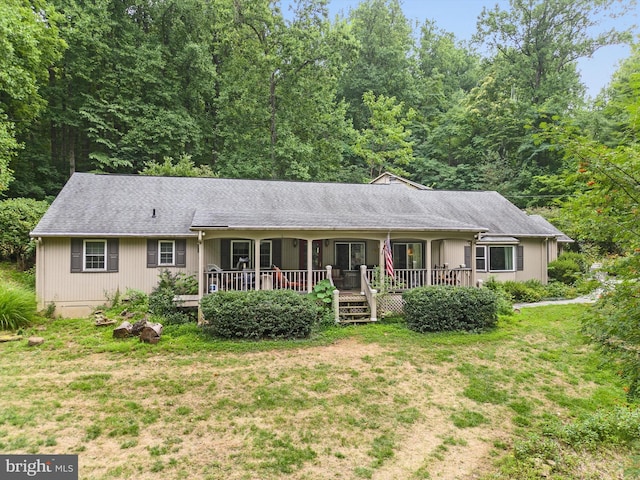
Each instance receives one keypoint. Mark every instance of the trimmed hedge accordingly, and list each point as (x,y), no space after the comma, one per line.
(259,314)
(443,308)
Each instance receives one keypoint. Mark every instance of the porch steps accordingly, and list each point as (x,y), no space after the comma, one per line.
(353,308)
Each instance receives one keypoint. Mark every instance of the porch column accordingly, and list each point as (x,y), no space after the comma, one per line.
(309,265)
(201,279)
(382,262)
(201,275)
(256,263)
(427,257)
(473,262)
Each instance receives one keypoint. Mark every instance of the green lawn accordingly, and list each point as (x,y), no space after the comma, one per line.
(372,401)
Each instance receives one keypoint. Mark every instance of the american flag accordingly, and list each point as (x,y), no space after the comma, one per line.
(388,257)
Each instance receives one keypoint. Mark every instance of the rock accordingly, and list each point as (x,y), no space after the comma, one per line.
(33,341)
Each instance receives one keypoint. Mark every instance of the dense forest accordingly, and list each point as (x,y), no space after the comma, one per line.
(257,89)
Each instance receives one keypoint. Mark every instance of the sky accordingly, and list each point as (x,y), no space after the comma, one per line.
(459,17)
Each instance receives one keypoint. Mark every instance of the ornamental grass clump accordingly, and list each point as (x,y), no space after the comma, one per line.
(439,309)
(17,307)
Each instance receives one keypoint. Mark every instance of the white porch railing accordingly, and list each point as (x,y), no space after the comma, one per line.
(369,292)
(239,280)
(408,278)
(299,281)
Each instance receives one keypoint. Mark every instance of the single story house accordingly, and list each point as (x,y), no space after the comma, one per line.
(106,233)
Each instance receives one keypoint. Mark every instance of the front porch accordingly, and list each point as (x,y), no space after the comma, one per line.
(303,281)
(351,263)
(357,303)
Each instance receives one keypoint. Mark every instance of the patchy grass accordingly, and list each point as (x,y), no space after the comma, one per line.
(526,400)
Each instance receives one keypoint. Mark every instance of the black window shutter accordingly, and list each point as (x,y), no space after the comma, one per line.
(112,254)
(152,253)
(520,257)
(181,252)
(225,253)
(76,255)
(276,252)
(467,256)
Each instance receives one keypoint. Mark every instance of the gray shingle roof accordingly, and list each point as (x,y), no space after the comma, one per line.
(122,205)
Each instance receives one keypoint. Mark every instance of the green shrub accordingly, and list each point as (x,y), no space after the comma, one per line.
(162,304)
(560,290)
(436,309)
(180,283)
(17,307)
(568,268)
(259,314)
(18,216)
(504,299)
(161,300)
(525,292)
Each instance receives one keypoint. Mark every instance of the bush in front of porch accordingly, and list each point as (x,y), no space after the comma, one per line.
(444,308)
(258,314)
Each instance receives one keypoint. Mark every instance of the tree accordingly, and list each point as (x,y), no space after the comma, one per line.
(30,45)
(18,216)
(543,39)
(279,116)
(605,207)
(184,167)
(385,144)
(533,81)
(384,65)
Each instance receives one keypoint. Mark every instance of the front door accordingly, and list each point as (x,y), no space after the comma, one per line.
(316,254)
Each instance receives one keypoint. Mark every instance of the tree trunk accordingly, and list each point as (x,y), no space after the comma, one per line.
(151,333)
(123,331)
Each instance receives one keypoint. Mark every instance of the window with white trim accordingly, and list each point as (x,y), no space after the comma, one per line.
(266,256)
(241,250)
(501,258)
(481,259)
(166,252)
(95,255)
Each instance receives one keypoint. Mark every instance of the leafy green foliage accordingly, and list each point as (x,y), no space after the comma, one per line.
(526,292)
(614,324)
(184,167)
(437,309)
(17,307)
(323,292)
(18,216)
(259,314)
(617,426)
(568,268)
(30,44)
(162,301)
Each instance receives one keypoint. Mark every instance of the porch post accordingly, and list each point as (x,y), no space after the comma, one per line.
(473,262)
(201,275)
(428,260)
(382,263)
(256,263)
(309,265)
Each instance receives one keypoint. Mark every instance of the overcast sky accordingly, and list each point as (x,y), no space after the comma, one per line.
(460,16)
